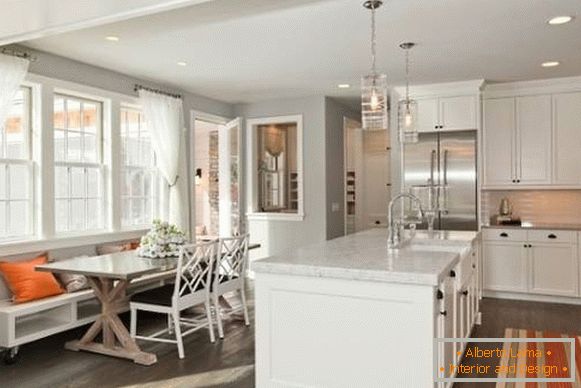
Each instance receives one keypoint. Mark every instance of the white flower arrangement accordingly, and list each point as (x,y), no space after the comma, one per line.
(162,240)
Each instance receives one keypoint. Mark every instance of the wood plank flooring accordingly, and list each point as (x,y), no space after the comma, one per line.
(230,362)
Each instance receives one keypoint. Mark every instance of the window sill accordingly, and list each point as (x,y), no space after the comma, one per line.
(275,216)
(67,241)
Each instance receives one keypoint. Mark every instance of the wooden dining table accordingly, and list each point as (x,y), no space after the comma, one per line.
(109,276)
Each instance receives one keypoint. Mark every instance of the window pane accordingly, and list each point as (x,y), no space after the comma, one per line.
(93,184)
(136,211)
(18,181)
(90,148)
(59,113)
(59,145)
(62,215)
(74,146)
(14,127)
(2,182)
(61,182)
(137,184)
(78,182)
(90,117)
(77,214)
(147,211)
(73,114)
(18,218)
(3,220)
(126,211)
(93,214)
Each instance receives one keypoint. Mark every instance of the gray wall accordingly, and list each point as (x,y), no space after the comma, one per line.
(335,112)
(277,236)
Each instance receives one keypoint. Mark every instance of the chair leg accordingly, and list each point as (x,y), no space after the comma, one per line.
(169,324)
(218,317)
(178,330)
(210,323)
(244,307)
(133,324)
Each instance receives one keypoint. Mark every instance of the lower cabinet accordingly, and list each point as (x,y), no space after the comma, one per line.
(529,263)
(554,269)
(505,266)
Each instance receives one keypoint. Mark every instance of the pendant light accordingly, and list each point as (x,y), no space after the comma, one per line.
(374,85)
(407,108)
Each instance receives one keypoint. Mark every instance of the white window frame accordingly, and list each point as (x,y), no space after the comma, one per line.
(28,161)
(99,165)
(156,180)
(252,169)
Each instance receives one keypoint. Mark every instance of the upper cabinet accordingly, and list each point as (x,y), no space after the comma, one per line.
(567,139)
(447,113)
(517,141)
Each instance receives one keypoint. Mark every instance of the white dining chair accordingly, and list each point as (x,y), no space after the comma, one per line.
(230,276)
(191,288)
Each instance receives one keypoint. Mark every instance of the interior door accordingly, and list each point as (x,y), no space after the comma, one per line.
(458,175)
(230,215)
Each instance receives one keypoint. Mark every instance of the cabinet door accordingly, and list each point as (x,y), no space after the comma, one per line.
(446,324)
(427,114)
(505,266)
(498,138)
(566,139)
(458,113)
(554,269)
(534,139)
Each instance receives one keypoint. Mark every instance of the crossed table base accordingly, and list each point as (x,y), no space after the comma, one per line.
(116,340)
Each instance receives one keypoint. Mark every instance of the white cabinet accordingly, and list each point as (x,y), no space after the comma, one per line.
(554,269)
(447,113)
(567,139)
(541,262)
(517,141)
(533,115)
(505,266)
(499,141)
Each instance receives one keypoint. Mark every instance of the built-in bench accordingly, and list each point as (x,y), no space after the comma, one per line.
(31,321)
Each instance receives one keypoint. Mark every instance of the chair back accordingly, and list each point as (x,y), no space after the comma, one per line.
(231,259)
(194,273)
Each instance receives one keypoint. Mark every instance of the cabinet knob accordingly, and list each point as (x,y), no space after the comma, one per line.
(518,181)
(552,236)
(440,294)
(444,313)
(465,292)
(473,266)
(452,274)
(504,234)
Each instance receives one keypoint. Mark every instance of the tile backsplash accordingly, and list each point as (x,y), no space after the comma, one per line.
(537,206)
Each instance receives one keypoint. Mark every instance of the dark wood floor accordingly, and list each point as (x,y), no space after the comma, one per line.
(230,362)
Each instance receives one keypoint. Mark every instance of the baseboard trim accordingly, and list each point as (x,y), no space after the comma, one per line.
(532,297)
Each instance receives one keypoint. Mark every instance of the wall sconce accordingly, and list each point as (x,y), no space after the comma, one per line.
(198,177)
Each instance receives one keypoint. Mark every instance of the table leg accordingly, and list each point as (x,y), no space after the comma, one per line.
(117,341)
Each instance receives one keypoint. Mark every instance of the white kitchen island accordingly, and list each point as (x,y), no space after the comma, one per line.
(346,313)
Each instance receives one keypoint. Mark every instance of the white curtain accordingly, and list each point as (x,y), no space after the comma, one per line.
(12,73)
(164,116)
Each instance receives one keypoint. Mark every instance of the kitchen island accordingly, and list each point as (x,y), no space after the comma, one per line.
(348,313)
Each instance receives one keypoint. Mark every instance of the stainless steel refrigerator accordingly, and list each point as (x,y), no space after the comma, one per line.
(446,159)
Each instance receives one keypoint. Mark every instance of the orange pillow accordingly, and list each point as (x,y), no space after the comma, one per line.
(27,284)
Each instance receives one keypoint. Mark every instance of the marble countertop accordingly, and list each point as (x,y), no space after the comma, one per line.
(364,256)
(532,225)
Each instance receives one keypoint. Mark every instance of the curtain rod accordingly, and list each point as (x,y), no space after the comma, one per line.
(141,87)
(18,53)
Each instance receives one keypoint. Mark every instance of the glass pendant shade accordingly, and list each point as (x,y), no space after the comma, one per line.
(407,114)
(374,102)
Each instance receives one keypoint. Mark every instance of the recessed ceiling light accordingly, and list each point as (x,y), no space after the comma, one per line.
(182,63)
(551,64)
(343,86)
(560,20)
(112,38)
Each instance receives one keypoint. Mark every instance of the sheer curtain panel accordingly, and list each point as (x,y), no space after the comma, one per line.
(12,73)
(164,117)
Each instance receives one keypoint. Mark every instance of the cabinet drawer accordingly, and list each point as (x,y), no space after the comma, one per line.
(506,234)
(555,236)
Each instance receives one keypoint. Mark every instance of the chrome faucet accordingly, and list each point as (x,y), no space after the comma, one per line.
(394,230)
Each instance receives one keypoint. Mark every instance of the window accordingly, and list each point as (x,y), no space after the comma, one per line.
(139,177)
(78,164)
(16,216)
(277,165)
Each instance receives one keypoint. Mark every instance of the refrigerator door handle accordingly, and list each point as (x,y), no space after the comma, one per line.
(445,168)
(432,166)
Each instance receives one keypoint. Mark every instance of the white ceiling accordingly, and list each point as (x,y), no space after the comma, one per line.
(249,50)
